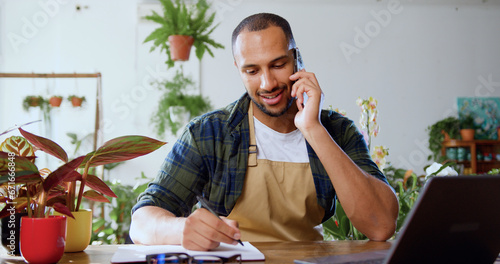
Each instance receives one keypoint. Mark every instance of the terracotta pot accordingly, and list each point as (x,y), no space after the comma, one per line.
(34,101)
(180,47)
(55,101)
(11,232)
(467,134)
(43,239)
(76,101)
(446,135)
(78,230)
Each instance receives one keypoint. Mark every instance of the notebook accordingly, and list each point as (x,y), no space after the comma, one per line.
(456,219)
(137,253)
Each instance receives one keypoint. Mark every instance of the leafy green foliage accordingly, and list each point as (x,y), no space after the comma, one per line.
(34,101)
(467,122)
(339,227)
(114,230)
(177,93)
(407,186)
(179,19)
(494,172)
(436,137)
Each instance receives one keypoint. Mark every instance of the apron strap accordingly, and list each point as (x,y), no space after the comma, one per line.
(252,149)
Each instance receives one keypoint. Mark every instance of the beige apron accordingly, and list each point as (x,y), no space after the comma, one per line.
(278,201)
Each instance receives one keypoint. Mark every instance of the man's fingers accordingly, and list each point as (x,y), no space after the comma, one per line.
(204,231)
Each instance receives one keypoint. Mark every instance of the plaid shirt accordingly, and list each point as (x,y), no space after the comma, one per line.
(211,156)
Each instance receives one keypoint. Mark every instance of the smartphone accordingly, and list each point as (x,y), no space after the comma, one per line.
(298,65)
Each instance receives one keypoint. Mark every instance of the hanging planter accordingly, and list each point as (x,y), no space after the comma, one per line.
(76,101)
(32,101)
(189,20)
(180,47)
(55,101)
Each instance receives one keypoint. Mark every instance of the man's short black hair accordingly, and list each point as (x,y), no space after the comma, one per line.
(263,21)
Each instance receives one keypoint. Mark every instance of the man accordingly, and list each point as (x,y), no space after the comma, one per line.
(270,164)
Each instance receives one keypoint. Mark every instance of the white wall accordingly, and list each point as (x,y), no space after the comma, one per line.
(415,64)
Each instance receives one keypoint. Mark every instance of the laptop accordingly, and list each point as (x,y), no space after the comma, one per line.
(456,219)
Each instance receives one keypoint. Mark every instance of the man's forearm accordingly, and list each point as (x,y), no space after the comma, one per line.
(153,225)
(369,203)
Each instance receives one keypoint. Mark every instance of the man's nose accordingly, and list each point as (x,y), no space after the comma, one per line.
(268,81)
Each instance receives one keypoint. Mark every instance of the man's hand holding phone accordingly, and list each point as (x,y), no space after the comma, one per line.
(306,84)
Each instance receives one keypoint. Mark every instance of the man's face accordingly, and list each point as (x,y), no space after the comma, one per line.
(265,65)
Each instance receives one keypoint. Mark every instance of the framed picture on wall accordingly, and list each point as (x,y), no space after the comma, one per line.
(486,114)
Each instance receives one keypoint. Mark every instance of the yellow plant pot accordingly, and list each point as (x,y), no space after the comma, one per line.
(78,230)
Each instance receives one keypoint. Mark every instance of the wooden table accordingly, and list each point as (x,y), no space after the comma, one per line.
(275,252)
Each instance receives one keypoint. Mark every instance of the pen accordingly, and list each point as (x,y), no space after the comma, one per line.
(205,205)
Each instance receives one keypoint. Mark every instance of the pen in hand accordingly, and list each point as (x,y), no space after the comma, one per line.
(204,204)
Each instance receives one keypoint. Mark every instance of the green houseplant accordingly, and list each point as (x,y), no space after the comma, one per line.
(177,92)
(58,189)
(75,100)
(437,134)
(467,127)
(180,19)
(33,101)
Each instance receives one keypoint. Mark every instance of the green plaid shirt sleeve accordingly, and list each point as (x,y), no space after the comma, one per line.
(209,159)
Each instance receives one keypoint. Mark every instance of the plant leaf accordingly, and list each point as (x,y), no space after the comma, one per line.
(73,176)
(95,196)
(121,149)
(18,145)
(61,173)
(22,166)
(97,184)
(46,145)
(61,208)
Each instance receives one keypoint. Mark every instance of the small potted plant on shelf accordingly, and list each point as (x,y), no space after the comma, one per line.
(182,26)
(55,101)
(442,130)
(177,99)
(58,189)
(467,128)
(76,101)
(32,101)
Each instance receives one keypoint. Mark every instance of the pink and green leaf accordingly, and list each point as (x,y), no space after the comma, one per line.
(57,176)
(46,145)
(122,149)
(97,184)
(95,196)
(22,166)
(73,177)
(61,208)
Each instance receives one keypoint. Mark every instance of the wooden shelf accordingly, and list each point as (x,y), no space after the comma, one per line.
(475,146)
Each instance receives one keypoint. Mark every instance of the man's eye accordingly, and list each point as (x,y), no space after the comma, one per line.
(251,72)
(279,65)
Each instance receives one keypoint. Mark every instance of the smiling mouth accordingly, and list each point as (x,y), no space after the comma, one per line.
(271,96)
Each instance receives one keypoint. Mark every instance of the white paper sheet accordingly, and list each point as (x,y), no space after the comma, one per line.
(137,253)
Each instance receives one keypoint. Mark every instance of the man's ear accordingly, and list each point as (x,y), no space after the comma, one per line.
(235,64)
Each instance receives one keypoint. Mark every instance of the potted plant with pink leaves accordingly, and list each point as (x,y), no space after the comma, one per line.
(40,190)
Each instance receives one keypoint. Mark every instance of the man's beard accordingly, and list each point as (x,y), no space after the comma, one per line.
(263,108)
